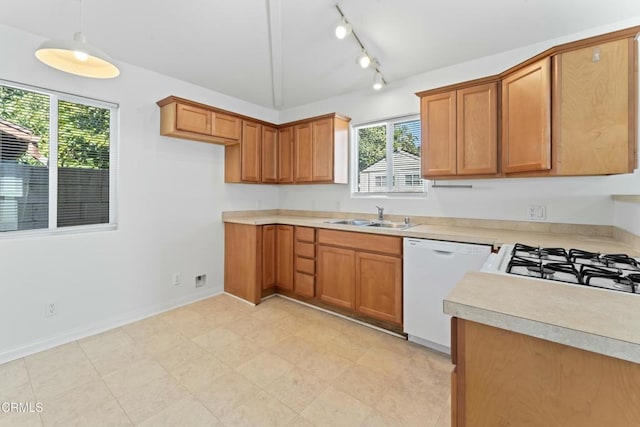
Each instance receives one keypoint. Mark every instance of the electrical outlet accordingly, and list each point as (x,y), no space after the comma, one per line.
(51,309)
(537,212)
(176,279)
(201,280)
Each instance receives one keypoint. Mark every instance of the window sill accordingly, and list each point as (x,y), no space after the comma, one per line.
(45,232)
(398,195)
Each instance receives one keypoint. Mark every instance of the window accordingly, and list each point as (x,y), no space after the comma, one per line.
(56,160)
(381,181)
(412,180)
(398,140)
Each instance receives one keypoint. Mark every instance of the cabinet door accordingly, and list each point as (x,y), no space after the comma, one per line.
(243,261)
(438,150)
(336,276)
(284,258)
(322,137)
(285,155)
(193,119)
(379,286)
(226,126)
(303,152)
(269,154)
(477,130)
(526,119)
(250,151)
(594,111)
(268,256)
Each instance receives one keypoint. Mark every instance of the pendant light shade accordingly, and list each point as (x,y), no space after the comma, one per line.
(77,57)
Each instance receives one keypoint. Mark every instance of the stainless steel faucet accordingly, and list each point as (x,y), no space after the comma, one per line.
(380,213)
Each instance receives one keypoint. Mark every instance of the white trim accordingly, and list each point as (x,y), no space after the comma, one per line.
(48,232)
(114,162)
(239,299)
(106,325)
(53,162)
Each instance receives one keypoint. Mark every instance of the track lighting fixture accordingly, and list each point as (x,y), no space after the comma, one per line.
(343,29)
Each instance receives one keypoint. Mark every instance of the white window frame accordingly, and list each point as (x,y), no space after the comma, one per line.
(389,193)
(114,114)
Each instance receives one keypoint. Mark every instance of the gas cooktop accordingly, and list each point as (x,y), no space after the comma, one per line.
(618,272)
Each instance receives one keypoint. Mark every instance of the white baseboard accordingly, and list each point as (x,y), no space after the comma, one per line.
(432,345)
(103,326)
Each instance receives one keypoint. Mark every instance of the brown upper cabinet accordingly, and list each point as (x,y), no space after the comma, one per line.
(594,109)
(321,150)
(526,118)
(285,155)
(250,152)
(181,118)
(313,150)
(459,132)
(269,155)
(571,110)
(303,152)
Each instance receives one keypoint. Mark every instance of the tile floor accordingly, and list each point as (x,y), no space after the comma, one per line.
(221,362)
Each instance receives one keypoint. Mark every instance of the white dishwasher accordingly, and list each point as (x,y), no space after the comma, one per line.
(431,270)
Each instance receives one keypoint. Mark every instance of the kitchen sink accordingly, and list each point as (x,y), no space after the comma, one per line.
(357,222)
(369,223)
(396,225)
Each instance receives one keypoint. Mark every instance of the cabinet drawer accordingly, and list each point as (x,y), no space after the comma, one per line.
(363,241)
(305,249)
(304,285)
(304,265)
(306,234)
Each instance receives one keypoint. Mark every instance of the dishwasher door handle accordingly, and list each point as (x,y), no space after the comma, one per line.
(441,252)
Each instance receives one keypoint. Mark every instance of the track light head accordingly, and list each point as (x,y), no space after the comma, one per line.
(343,29)
(378,81)
(364,60)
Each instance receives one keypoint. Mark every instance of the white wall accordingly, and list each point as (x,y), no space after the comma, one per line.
(627,216)
(171,195)
(582,200)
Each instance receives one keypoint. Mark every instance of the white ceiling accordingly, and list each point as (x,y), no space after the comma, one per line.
(242,47)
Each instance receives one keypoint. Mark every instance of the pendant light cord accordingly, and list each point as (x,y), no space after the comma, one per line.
(81,16)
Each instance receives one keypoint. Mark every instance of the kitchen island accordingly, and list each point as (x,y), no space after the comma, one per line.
(532,352)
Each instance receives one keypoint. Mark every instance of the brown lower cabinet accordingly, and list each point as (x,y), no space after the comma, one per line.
(357,273)
(283,261)
(361,272)
(257,259)
(336,276)
(503,378)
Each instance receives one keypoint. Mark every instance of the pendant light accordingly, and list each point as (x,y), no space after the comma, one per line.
(77,57)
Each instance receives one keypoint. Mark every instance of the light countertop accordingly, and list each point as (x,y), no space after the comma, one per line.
(597,320)
(489,236)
